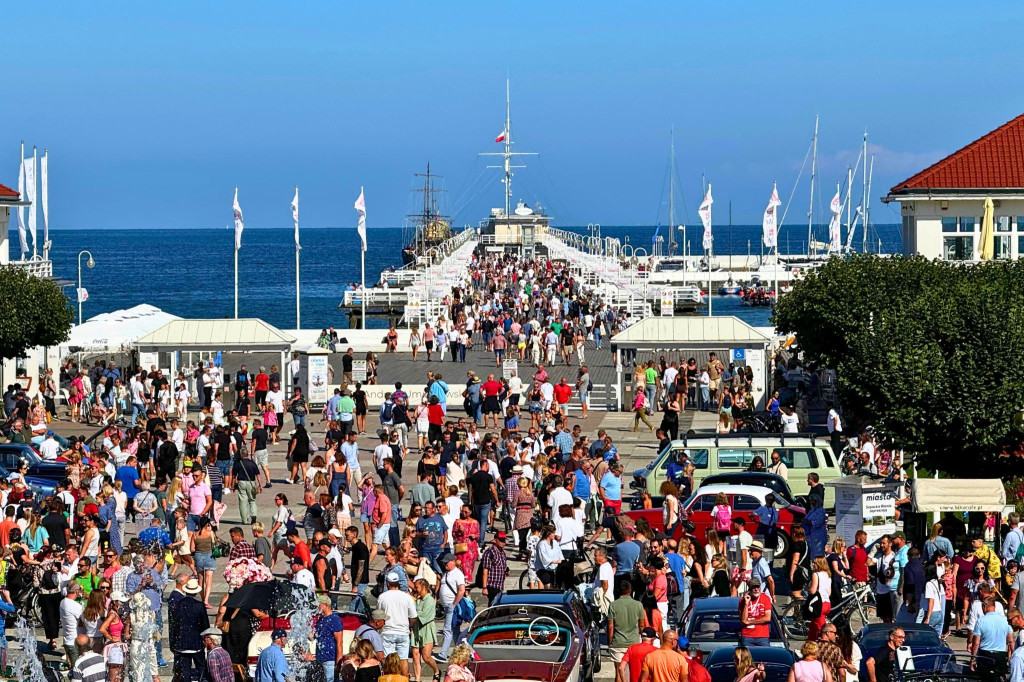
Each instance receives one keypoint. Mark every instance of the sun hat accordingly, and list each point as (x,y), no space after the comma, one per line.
(192,587)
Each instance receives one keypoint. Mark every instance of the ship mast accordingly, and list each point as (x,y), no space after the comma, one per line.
(671,190)
(810,208)
(507,154)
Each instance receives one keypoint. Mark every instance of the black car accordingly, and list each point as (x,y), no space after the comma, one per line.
(777,663)
(714,623)
(925,645)
(587,618)
(13,454)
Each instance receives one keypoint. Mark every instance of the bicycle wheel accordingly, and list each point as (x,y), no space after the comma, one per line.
(792,620)
(524,580)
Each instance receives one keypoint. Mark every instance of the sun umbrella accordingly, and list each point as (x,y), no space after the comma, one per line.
(275,596)
(987,245)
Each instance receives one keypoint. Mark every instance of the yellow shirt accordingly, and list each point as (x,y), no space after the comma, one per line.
(991,559)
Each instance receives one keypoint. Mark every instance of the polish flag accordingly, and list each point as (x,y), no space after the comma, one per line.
(501,137)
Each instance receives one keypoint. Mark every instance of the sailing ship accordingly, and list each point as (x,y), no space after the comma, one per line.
(430,227)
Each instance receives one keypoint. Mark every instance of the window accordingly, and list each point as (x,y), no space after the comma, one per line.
(1003,223)
(959,224)
(1020,245)
(699,458)
(949,224)
(967,224)
(1001,246)
(745,502)
(704,503)
(736,458)
(958,248)
(799,458)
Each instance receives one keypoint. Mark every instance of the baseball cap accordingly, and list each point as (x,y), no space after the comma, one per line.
(501,535)
(393,578)
(446,558)
(899,534)
(379,614)
(649,633)
(682,642)
(49,432)
(323,599)
(754,582)
(278,634)
(334,532)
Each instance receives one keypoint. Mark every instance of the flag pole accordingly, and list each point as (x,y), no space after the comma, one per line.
(298,305)
(35,180)
(362,267)
(237,217)
(236,282)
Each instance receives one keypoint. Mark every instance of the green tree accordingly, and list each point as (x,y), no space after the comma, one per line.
(33,312)
(932,353)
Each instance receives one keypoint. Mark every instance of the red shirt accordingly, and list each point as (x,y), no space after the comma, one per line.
(858,563)
(5,531)
(562,393)
(490,388)
(757,608)
(301,552)
(635,656)
(262,382)
(435,414)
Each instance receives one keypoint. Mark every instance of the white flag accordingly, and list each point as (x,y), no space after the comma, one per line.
(834,237)
(770,220)
(705,217)
(239,225)
(22,238)
(44,198)
(30,195)
(361,209)
(295,216)
(83,294)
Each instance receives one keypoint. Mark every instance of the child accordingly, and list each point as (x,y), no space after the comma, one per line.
(182,397)
(270,422)
(721,513)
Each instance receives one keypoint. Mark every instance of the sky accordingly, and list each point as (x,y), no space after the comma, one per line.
(154,112)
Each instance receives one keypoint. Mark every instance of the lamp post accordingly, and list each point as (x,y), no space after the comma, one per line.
(78,293)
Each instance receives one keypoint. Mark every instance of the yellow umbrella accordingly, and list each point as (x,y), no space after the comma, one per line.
(987,230)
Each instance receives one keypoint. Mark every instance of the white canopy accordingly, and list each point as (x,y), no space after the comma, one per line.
(116,331)
(958,494)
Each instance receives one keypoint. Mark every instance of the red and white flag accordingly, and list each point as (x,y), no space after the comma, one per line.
(501,137)
(705,217)
(834,237)
(769,222)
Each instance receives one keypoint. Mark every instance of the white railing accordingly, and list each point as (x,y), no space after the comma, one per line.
(37,267)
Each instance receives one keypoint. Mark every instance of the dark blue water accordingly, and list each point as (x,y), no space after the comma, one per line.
(190,272)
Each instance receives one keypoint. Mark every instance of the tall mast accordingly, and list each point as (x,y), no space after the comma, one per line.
(508,151)
(671,189)
(867,200)
(864,199)
(814,172)
(849,195)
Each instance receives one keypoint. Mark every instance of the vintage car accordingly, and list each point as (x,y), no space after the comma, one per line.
(777,663)
(584,614)
(743,499)
(528,643)
(714,623)
(922,646)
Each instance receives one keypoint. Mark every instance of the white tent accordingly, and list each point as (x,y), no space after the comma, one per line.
(116,331)
(958,494)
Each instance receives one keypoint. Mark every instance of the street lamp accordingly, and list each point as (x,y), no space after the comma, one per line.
(78,293)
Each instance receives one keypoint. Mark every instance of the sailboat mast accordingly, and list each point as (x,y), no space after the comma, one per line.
(849,195)
(671,190)
(864,199)
(814,172)
(867,199)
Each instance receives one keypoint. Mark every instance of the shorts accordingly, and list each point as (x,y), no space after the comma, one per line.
(260,458)
(397,644)
(618,653)
(885,608)
(364,517)
(429,345)
(491,405)
(422,428)
(205,562)
(513,399)
(380,536)
(612,507)
(280,419)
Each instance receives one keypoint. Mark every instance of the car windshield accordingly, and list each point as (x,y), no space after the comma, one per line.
(714,626)
(876,637)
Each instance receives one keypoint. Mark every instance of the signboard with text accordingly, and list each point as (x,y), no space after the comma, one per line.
(316,389)
(509,366)
(359,371)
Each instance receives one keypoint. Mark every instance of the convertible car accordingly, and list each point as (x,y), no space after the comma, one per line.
(527,643)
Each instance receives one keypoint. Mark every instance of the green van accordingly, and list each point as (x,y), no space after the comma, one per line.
(726,453)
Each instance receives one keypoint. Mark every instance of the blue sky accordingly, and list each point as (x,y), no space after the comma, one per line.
(153,112)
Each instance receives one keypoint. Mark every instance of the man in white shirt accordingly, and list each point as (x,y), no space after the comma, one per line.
(49,448)
(547,393)
(302,575)
(558,496)
(401,611)
(178,436)
(70,614)
(835,430)
(453,588)
(778,466)
(380,453)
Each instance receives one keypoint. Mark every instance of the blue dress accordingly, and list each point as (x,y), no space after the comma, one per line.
(816,527)
(108,513)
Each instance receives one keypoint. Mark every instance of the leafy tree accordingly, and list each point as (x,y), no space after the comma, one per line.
(33,312)
(930,352)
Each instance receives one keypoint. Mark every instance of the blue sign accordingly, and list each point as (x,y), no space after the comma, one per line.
(739,354)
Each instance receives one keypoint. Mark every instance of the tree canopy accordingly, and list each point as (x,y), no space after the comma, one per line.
(929,352)
(33,312)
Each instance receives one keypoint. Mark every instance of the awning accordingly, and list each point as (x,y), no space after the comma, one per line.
(958,494)
(116,331)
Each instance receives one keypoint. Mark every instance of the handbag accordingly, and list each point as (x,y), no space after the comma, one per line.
(461,547)
(812,607)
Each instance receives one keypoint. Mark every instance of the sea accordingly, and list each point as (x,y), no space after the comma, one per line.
(189,272)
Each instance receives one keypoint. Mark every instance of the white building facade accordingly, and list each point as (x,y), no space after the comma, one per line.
(943,205)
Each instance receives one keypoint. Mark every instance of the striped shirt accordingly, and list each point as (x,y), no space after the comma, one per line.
(214,476)
(90,667)
(242,550)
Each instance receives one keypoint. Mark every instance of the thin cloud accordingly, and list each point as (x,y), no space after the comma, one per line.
(892,161)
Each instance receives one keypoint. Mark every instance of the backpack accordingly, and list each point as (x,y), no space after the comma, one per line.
(387,412)
(1019,554)
(673,584)
(723,518)
(289,525)
(50,579)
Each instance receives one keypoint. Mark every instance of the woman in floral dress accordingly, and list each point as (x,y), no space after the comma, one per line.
(466,531)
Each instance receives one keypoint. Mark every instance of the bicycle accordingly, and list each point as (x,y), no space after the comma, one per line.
(857,599)
(583,570)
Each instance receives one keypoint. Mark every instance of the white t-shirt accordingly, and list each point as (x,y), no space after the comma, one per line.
(790,423)
(202,445)
(70,612)
(547,391)
(834,422)
(669,377)
(559,496)
(281,516)
(48,449)
(932,591)
(450,586)
(870,449)
(400,607)
(380,453)
(305,577)
(138,392)
(179,439)
(605,573)
(295,366)
(276,400)
(568,530)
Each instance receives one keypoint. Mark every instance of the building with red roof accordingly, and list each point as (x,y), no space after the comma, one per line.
(942,206)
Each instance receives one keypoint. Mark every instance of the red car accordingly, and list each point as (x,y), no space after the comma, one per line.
(743,499)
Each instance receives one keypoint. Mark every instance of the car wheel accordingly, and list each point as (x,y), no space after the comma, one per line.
(782,544)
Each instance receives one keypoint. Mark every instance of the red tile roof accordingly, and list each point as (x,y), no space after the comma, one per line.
(995,160)
(6,191)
